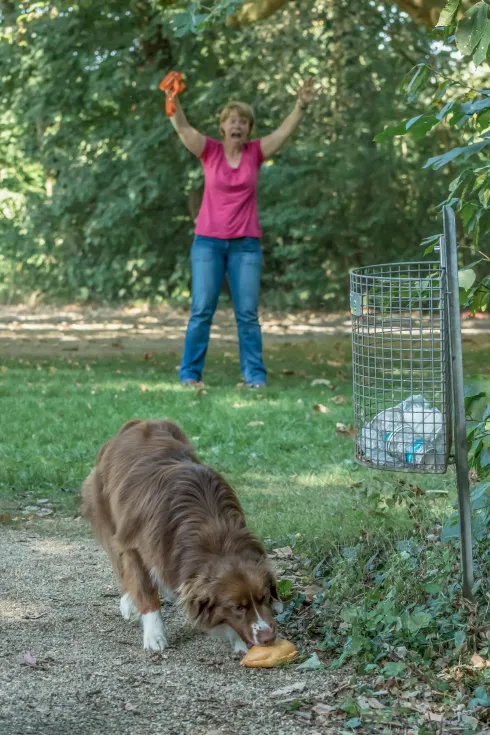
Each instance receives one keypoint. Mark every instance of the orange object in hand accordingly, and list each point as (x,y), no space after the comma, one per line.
(172,85)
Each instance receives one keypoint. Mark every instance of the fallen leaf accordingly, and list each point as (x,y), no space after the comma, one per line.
(363,703)
(283,552)
(147,356)
(479,662)
(286,371)
(343,429)
(334,363)
(401,651)
(324,709)
(143,388)
(255,423)
(34,616)
(44,512)
(338,399)
(321,381)
(27,659)
(375,703)
(312,664)
(311,592)
(470,722)
(130,707)
(292,689)
(320,408)
(433,717)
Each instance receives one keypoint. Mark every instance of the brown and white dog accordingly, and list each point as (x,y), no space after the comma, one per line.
(169,522)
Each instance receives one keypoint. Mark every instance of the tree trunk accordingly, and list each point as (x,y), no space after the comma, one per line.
(423,12)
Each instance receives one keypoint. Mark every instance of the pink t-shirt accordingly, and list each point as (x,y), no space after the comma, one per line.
(229,205)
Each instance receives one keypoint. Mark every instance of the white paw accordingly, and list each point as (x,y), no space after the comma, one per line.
(236,642)
(226,632)
(128,608)
(167,593)
(239,646)
(153,631)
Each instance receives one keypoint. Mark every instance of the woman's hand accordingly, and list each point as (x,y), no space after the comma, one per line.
(307,93)
(272,142)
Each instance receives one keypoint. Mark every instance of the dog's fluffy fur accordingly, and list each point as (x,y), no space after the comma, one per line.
(168,521)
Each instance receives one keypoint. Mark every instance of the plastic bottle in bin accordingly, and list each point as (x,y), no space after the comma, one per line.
(411,433)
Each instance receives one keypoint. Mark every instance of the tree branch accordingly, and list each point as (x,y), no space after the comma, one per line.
(255,10)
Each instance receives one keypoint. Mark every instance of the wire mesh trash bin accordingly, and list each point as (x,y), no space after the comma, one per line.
(401,367)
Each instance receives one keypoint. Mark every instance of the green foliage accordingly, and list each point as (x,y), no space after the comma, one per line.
(455,104)
(479,457)
(198,16)
(399,610)
(95,184)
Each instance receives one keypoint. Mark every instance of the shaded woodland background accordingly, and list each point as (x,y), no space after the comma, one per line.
(96,191)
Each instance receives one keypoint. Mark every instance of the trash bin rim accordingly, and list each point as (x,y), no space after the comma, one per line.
(362,271)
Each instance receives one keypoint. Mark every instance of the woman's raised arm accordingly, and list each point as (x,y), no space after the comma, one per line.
(271,143)
(193,140)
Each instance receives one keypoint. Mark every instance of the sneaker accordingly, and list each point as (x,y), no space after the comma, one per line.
(256,385)
(190,381)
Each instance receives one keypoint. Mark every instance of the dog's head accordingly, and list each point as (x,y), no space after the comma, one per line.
(239,593)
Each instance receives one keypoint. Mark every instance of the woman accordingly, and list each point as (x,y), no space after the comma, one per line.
(227,233)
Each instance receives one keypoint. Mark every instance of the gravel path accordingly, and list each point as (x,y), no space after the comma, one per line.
(45,331)
(59,605)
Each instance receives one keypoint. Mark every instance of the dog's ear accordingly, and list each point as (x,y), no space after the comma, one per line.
(129,424)
(198,601)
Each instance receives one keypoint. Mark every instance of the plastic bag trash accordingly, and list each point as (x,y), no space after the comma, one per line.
(408,435)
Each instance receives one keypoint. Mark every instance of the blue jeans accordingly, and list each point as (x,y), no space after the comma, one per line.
(241,259)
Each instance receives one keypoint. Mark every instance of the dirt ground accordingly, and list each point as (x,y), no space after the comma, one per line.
(86,332)
(59,608)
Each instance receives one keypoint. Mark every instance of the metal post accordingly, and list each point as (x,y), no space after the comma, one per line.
(449,254)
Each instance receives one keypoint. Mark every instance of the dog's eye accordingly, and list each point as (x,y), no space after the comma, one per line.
(261,601)
(241,608)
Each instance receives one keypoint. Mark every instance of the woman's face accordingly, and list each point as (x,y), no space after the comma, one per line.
(236,127)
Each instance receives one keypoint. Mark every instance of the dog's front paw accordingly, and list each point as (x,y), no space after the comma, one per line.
(154,637)
(128,608)
(239,647)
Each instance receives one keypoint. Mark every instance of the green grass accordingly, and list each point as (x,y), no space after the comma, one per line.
(293,473)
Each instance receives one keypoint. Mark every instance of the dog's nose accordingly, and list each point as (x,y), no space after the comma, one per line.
(267,636)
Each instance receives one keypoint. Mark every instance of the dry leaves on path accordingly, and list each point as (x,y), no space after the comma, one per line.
(344,429)
(27,659)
